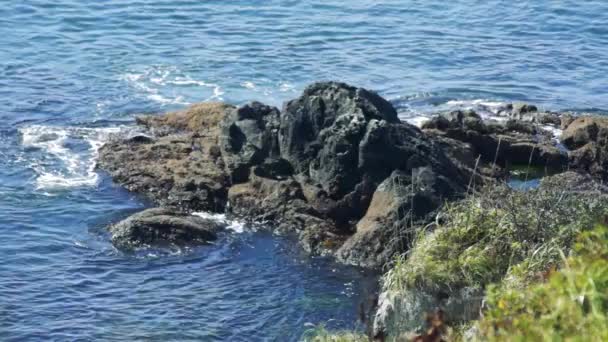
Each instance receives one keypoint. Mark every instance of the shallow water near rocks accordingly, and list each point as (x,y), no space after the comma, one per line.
(74,72)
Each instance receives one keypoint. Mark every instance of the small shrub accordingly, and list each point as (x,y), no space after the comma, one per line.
(571,305)
(494,233)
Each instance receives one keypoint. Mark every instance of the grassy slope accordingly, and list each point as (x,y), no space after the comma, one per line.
(511,243)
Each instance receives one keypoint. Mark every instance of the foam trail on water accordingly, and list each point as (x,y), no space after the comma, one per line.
(236,226)
(64,157)
(168,85)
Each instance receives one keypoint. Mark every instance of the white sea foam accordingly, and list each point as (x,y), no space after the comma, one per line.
(487,109)
(63,157)
(234,225)
(287,87)
(248,85)
(417,121)
(169,85)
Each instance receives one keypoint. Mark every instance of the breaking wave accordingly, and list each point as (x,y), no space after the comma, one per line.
(64,157)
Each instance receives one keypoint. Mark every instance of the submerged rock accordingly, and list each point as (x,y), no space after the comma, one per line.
(159,227)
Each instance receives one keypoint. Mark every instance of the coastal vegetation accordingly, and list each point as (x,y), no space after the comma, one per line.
(534,263)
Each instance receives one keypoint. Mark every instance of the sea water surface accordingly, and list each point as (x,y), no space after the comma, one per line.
(73,72)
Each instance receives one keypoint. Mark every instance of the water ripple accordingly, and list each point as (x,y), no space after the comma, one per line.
(72,72)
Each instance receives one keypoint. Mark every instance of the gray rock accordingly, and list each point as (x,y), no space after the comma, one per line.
(160,227)
(400,205)
(249,136)
(584,130)
(587,139)
(511,142)
(312,168)
(403,312)
(523,108)
(321,130)
(571,181)
(346,140)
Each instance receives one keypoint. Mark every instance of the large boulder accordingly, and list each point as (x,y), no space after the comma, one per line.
(311,169)
(162,227)
(321,132)
(344,141)
(584,130)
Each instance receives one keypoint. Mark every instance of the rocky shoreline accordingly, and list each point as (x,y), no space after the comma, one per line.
(336,167)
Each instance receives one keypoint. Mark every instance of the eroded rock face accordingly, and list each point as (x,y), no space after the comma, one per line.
(401,203)
(249,137)
(503,143)
(161,227)
(345,141)
(587,139)
(584,130)
(181,166)
(322,130)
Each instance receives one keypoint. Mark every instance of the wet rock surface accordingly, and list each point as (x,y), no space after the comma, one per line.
(500,142)
(161,227)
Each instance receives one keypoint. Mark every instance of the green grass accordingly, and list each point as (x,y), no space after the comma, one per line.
(512,246)
(320,334)
(480,239)
(571,305)
(498,238)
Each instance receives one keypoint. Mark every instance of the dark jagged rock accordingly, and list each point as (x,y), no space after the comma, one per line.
(311,169)
(347,140)
(160,227)
(249,136)
(504,143)
(587,139)
(321,131)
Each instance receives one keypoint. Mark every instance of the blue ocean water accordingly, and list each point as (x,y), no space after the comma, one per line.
(73,72)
